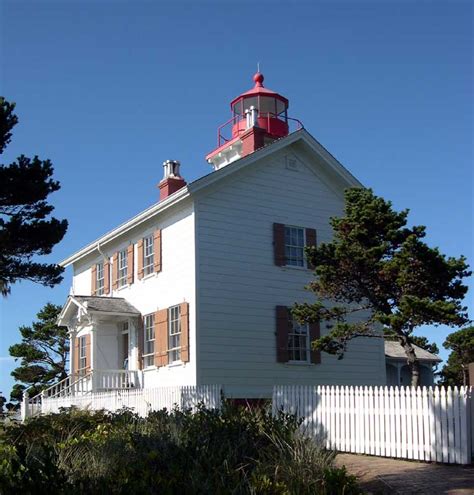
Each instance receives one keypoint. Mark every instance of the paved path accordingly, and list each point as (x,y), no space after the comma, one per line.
(379,475)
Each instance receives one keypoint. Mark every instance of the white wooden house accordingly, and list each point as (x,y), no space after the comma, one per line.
(195,289)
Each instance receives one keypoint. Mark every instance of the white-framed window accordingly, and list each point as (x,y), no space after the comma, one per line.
(82,354)
(99,279)
(299,342)
(294,245)
(122,268)
(149,341)
(148,255)
(174,333)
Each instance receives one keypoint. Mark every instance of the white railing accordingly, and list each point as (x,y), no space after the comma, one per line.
(63,391)
(141,401)
(116,379)
(427,424)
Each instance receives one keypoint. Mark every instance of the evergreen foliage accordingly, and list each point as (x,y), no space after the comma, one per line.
(228,451)
(26,229)
(456,371)
(377,273)
(43,352)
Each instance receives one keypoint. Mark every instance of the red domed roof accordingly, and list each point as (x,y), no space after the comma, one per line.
(259,89)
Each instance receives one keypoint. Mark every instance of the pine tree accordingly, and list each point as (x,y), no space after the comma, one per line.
(382,271)
(26,229)
(43,352)
(456,371)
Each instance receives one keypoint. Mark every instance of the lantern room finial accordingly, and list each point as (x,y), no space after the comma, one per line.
(258,78)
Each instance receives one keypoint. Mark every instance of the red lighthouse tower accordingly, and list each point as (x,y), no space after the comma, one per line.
(259,116)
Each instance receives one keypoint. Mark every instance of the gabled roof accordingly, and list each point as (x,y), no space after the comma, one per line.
(332,166)
(89,305)
(102,304)
(394,350)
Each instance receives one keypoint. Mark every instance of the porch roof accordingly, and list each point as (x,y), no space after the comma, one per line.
(394,350)
(103,304)
(87,305)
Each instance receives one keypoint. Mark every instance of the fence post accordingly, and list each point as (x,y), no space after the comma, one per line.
(470,401)
(25,405)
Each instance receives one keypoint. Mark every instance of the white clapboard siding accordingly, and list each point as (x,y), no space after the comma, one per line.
(141,401)
(426,424)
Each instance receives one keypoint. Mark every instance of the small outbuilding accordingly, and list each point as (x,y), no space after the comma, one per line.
(398,371)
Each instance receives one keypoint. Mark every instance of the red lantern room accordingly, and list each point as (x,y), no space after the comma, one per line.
(272,109)
(259,116)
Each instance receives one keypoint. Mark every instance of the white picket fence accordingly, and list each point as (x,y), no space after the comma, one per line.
(427,424)
(141,401)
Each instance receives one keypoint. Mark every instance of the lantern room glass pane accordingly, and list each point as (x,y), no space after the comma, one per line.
(237,108)
(249,102)
(280,107)
(267,105)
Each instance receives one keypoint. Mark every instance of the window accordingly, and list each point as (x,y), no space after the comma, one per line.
(148,258)
(149,341)
(294,246)
(122,268)
(298,342)
(174,333)
(99,279)
(82,354)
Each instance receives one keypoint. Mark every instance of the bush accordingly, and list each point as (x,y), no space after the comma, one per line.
(230,451)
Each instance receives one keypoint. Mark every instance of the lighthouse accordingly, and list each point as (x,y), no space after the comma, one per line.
(258,117)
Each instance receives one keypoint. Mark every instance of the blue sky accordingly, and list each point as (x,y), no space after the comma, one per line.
(108,90)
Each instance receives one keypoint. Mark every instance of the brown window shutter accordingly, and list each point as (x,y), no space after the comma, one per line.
(140,343)
(130,264)
(161,338)
(115,271)
(88,352)
(75,358)
(279,244)
(106,277)
(93,279)
(315,333)
(140,259)
(282,327)
(310,241)
(157,250)
(184,307)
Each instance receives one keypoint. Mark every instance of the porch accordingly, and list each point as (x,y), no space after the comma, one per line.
(63,393)
(104,333)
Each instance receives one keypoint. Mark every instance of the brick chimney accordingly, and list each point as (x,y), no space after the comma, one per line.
(172,180)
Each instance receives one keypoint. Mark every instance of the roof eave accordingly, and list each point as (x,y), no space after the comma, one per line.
(171,200)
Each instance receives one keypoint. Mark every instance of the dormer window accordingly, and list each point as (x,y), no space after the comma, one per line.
(122,268)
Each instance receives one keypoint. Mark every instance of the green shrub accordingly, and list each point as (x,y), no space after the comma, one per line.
(229,451)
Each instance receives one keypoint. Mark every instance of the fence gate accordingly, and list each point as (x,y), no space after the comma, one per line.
(427,424)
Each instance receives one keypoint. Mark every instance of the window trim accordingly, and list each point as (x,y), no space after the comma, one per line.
(308,344)
(122,278)
(304,266)
(149,317)
(82,357)
(99,282)
(148,261)
(174,321)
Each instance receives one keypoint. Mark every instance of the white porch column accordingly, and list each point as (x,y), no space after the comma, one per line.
(132,344)
(72,368)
